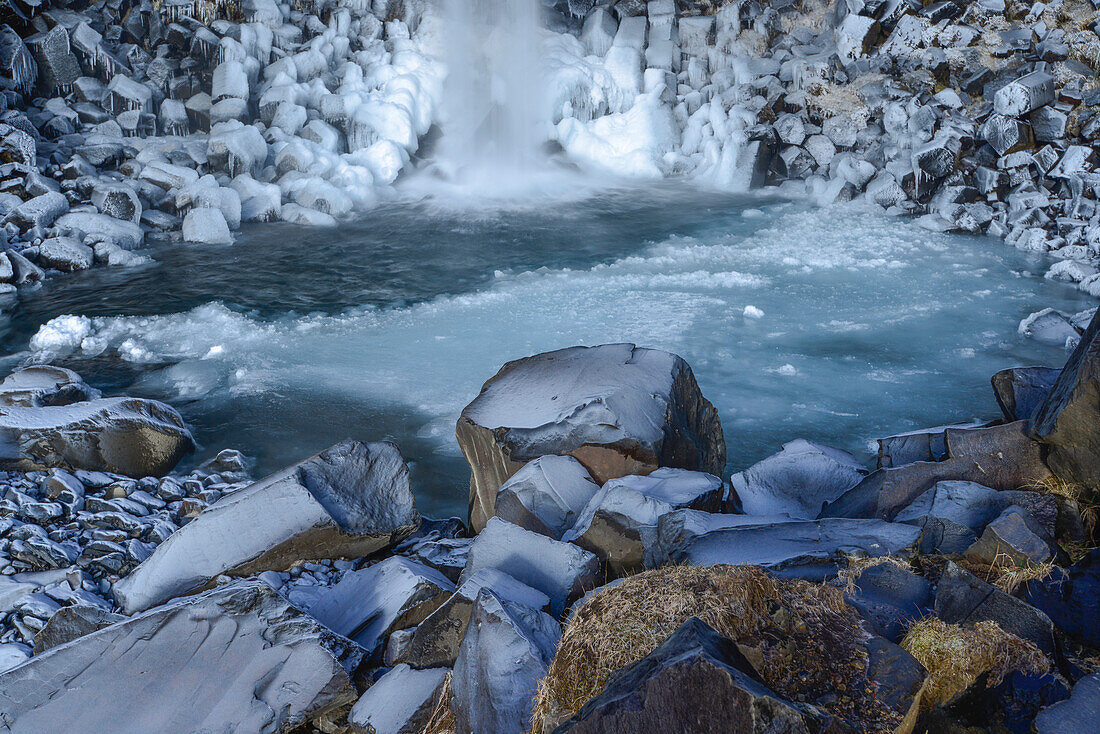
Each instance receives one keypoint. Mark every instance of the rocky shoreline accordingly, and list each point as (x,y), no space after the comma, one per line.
(126,122)
(608,578)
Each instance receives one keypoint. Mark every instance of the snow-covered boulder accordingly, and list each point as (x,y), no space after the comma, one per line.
(619,524)
(506,652)
(562,571)
(400,702)
(617,408)
(101,228)
(797,481)
(211,648)
(66,254)
(41,211)
(206,225)
(347,501)
(369,604)
(44,384)
(546,495)
(130,436)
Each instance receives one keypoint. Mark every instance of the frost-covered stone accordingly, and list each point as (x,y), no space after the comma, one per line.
(96,228)
(1025,94)
(221,643)
(369,604)
(39,385)
(66,254)
(797,481)
(617,409)
(562,571)
(546,495)
(400,702)
(129,436)
(41,211)
(437,639)
(506,652)
(117,200)
(207,226)
(619,523)
(347,501)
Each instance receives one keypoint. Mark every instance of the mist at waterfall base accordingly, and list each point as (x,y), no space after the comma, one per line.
(834,325)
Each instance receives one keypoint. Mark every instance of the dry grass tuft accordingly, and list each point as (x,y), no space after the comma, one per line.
(956,656)
(1088,503)
(803,639)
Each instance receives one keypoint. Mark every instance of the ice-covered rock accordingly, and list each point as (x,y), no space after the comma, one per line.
(197,661)
(347,501)
(207,226)
(129,436)
(797,481)
(400,702)
(437,639)
(95,228)
(43,384)
(368,604)
(617,409)
(562,571)
(117,200)
(505,653)
(619,523)
(1025,94)
(41,211)
(66,254)
(1049,327)
(546,495)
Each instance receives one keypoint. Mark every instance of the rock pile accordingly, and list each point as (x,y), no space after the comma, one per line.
(607,590)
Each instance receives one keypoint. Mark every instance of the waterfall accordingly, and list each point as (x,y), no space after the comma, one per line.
(494,94)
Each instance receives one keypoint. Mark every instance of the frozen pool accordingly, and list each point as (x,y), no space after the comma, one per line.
(834,325)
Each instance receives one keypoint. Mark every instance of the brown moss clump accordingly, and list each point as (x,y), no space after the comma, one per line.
(956,656)
(805,642)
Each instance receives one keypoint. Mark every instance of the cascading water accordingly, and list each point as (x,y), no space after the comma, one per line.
(494,94)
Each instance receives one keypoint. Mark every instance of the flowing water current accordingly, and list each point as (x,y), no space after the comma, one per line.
(834,325)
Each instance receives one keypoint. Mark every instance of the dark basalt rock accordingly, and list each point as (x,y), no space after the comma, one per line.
(618,409)
(1068,421)
(1020,390)
(695,682)
(1001,457)
(1071,598)
(890,598)
(1080,713)
(1010,706)
(962,597)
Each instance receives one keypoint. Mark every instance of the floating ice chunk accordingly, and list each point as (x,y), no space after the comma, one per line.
(752,312)
(60,336)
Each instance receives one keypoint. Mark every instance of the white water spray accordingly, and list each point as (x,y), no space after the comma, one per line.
(494,94)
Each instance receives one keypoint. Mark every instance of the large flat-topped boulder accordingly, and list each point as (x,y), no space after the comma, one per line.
(1000,457)
(345,502)
(1068,420)
(193,665)
(616,408)
(129,436)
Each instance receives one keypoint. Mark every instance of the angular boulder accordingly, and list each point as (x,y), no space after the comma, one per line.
(1020,390)
(1080,712)
(130,436)
(346,502)
(400,702)
(505,653)
(616,408)
(927,444)
(1071,598)
(436,640)
(194,663)
(678,528)
(798,481)
(1000,457)
(619,524)
(962,598)
(1067,423)
(546,495)
(1014,538)
(562,571)
(890,598)
(369,604)
(69,623)
(696,681)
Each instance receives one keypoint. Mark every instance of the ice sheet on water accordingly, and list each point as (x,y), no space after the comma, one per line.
(849,297)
